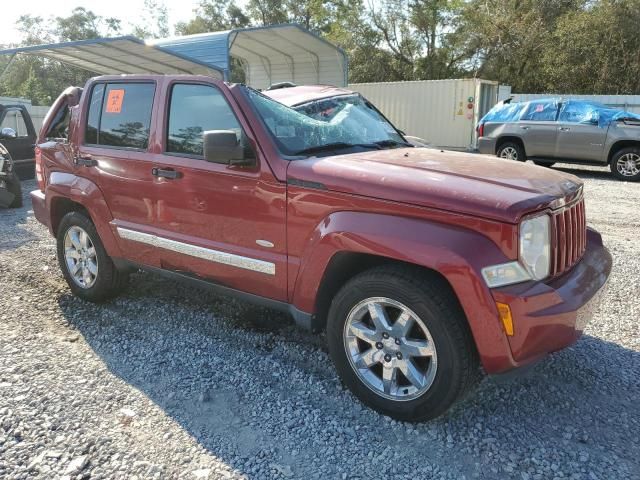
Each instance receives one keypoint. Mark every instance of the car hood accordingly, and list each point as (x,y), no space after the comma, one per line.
(477,185)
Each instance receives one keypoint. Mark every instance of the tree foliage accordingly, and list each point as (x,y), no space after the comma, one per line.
(564,46)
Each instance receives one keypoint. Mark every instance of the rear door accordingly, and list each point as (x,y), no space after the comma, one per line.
(114,155)
(538,128)
(580,135)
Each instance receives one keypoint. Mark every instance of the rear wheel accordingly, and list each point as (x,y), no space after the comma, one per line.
(401,344)
(625,164)
(511,151)
(88,270)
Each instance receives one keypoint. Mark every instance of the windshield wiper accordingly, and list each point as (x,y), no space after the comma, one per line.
(336,146)
(391,143)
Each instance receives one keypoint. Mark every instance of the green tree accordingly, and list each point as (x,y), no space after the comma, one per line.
(156,21)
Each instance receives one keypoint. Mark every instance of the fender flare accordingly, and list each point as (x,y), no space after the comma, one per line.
(84,192)
(457,253)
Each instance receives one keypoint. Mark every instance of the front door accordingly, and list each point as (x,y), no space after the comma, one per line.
(21,147)
(538,128)
(214,220)
(580,135)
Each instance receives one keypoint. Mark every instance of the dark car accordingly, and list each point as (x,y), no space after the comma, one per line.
(569,131)
(10,189)
(20,146)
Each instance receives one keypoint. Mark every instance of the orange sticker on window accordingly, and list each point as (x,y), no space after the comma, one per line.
(114,101)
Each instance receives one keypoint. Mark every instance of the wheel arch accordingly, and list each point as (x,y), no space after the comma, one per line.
(509,139)
(70,193)
(620,145)
(348,243)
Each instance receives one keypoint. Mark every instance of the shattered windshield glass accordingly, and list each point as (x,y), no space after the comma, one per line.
(343,122)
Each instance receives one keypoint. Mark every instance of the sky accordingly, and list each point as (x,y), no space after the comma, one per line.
(128,11)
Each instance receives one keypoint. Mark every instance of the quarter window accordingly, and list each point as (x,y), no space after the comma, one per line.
(120,115)
(193,110)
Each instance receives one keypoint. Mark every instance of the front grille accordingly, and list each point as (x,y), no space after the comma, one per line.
(570,237)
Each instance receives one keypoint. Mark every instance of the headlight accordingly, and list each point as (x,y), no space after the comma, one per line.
(535,255)
(535,246)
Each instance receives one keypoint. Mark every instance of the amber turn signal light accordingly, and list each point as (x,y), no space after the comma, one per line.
(505,315)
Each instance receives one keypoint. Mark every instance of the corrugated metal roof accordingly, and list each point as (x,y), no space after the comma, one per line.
(208,48)
(119,55)
(272,54)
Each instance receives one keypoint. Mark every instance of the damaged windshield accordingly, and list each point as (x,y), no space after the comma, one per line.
(344,122)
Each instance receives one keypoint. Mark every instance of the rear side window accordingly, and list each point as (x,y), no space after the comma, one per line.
(120,115)
(195,109)
(543,111)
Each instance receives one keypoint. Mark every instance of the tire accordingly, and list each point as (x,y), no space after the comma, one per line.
(511,151)
(543,164)
(14,186)
(448,374)
(104,281)
(625,164)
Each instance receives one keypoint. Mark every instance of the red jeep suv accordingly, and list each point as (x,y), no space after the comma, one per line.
(421,265)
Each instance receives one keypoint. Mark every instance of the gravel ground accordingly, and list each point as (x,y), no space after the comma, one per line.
(166,382)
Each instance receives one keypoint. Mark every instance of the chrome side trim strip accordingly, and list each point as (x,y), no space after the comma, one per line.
(217,256)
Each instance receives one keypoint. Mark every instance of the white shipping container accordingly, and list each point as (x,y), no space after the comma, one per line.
(443,112)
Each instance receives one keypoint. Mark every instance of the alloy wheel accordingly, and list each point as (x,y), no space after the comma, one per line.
(628,165)
(80,257)
(390,349)
(510,153)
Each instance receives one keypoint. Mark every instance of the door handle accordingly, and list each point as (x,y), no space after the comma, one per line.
(165,173)
(86,161)
(524,127)
(565,129)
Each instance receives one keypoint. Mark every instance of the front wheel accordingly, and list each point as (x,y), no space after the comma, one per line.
(85,264)
(512,151)
(401,344)
(625,164)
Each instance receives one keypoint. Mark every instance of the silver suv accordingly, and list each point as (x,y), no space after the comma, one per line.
(572,131)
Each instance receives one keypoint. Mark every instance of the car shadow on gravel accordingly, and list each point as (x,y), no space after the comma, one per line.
(249,386)
(587,172)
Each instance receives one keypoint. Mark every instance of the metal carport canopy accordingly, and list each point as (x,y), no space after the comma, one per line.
(268,55)
(119,55)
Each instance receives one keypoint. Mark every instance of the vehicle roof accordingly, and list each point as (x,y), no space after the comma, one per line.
(292,96)
(142,76)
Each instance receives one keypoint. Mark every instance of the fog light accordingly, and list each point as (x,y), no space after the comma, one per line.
(505,315)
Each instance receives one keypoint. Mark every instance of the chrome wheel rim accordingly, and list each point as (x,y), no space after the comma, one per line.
(628,165)
(390,349)
(80,257)
(510,153)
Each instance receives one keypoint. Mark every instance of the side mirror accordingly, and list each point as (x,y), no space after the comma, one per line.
(8,133)
(222,146)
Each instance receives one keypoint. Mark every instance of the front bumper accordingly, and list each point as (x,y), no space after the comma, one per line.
(551,316)
(487,145)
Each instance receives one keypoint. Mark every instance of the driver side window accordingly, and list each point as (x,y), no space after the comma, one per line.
(193,110)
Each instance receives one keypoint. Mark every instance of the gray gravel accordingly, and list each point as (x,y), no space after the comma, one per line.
(167,382)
